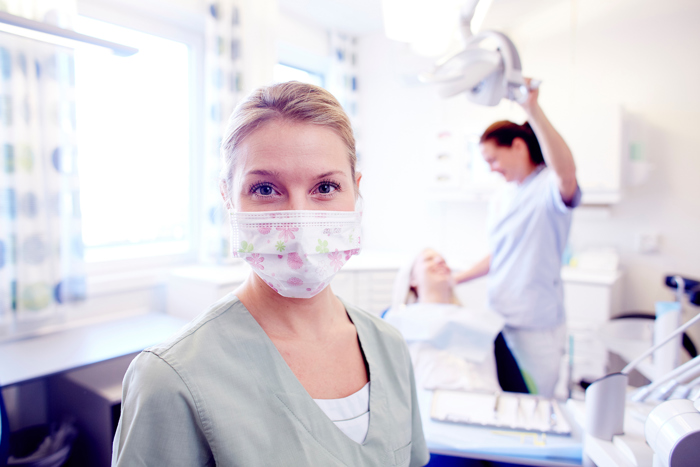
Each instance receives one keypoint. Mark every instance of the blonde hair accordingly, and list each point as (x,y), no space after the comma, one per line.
(293,102)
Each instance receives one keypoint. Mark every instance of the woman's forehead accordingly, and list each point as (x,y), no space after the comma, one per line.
(278,145)
(429,253)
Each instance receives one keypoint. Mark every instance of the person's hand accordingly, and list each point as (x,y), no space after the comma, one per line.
(531,102)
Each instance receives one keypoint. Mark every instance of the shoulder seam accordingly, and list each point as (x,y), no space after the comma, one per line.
(160,349)
(205,427)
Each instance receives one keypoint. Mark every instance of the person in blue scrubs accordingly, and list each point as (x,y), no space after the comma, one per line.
(528,229)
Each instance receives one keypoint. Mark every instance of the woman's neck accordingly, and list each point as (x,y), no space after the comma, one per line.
(529,169)
(290,318)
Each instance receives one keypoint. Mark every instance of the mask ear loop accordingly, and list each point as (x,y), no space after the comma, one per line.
(226,196)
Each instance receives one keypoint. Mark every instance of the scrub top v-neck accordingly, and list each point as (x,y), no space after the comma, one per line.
(219,393)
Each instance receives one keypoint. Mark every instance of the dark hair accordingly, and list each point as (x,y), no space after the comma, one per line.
(503,133)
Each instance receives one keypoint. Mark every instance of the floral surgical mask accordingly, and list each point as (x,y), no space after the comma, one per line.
(296,253)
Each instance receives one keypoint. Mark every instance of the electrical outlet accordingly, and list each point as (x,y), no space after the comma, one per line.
(647,243)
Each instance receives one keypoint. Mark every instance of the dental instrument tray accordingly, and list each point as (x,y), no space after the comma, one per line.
(503,410)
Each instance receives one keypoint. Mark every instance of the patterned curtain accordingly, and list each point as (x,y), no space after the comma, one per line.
(342,80)
(41,249)
(224,88)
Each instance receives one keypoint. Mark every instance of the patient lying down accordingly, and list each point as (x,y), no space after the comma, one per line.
(451,347)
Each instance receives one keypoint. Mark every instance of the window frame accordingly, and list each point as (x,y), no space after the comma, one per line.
(294,56)
(182,26)
(322,76)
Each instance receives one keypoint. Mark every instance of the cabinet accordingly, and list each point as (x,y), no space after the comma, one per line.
(595,133)
(92,398)
(366,281)
(590,300)
(192,290)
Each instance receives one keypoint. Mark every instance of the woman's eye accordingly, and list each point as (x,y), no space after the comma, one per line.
(326,188)
(263,190)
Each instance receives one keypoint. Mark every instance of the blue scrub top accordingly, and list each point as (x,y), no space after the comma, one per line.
(528,230)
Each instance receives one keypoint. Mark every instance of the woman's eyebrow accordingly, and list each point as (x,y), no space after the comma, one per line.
(328,174)
(269,173)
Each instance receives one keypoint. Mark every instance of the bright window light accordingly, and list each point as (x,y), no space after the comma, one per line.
(283,73)
(133,120)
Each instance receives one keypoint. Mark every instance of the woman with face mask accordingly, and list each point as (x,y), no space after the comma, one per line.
(280,372)
(528,231)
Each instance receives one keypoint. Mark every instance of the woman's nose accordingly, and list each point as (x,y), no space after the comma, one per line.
(298,201)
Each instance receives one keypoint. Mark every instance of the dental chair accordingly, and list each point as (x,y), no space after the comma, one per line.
(509,376)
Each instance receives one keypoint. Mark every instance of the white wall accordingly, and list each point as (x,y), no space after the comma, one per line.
(640,54)
(637,53)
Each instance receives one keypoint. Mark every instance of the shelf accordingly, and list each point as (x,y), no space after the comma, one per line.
(40,356)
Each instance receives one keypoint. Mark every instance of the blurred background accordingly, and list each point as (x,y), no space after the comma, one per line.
(109,203)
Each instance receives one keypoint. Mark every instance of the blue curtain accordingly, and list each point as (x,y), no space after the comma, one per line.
(41,249)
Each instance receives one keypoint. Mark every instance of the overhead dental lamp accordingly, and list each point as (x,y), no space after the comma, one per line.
(485,75)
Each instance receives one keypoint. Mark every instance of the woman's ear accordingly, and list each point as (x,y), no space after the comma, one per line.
(520,146)
(358,177)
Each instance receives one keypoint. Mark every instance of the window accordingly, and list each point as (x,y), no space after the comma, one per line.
(134,120)
(283,73)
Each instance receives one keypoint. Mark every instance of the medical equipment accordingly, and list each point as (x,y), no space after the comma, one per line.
(485,75)
(674,430)
(668,318)
(505,410)
(605,398)
(685,285)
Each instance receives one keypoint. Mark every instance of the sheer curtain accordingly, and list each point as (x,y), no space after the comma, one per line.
(342,80)
(41,249)
(224,88)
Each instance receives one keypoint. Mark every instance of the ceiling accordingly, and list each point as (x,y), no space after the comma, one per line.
(505,14)
(358,17)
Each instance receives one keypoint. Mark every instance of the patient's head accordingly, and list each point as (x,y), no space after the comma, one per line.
(431,279)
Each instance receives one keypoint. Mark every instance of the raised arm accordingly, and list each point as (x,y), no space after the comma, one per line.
(556,153)
(479,269)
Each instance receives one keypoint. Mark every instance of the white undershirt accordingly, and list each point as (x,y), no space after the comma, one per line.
(350,414)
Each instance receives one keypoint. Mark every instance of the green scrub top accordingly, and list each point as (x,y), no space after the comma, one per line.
(219,393)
